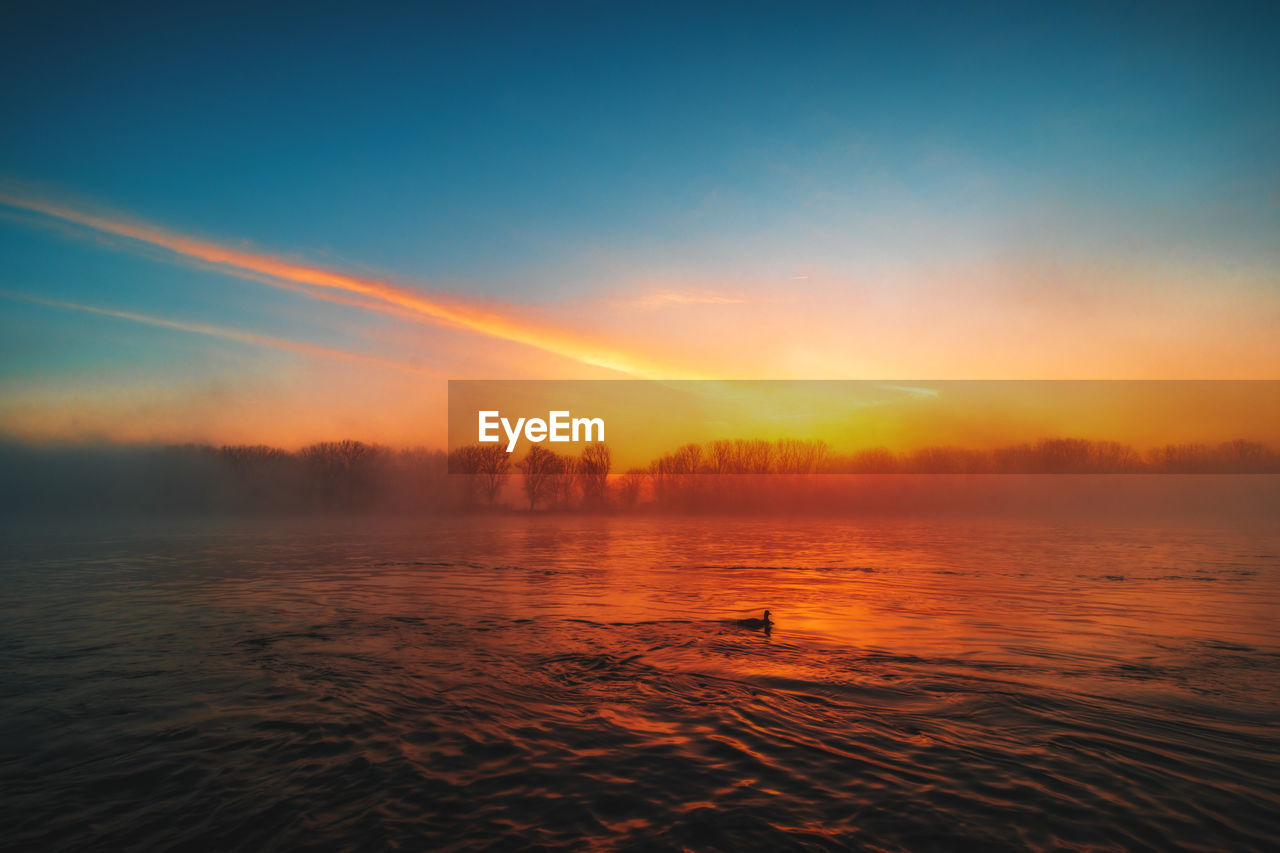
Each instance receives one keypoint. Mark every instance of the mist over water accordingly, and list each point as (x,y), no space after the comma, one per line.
(521,681)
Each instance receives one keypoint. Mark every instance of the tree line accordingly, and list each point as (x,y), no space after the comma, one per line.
(355,475)
(680,478)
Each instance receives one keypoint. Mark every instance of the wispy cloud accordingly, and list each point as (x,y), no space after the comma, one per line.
(664,297)
(368,293)
(299,347)
(913,390)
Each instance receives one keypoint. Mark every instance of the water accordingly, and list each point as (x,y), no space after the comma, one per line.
(518,682)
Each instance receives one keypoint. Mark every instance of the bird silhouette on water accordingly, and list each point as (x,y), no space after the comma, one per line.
(765,624)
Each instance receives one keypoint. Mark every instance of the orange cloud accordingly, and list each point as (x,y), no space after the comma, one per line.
(374,294)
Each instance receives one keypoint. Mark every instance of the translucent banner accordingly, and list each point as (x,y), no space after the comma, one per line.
(873,427)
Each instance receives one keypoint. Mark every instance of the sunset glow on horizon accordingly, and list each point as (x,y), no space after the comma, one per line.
(678,223)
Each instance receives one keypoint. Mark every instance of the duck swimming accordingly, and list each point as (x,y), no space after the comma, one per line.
(756,624)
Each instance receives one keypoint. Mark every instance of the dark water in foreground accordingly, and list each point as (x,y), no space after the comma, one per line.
(522,682)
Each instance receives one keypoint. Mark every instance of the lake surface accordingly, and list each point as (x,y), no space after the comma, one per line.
(524,682)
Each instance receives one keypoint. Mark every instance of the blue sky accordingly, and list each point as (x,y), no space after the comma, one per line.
(478,146)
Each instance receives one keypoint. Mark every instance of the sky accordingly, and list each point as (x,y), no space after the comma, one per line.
(232,224)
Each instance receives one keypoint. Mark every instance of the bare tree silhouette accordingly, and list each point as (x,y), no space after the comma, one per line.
(486,468)
(494,469)
(539,468)
(593,474)
(754,456)
(798,456)
(722,457)
(342,471)
(630,485)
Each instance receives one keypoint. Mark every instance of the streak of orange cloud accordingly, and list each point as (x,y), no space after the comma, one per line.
(225,333)
(381,295)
